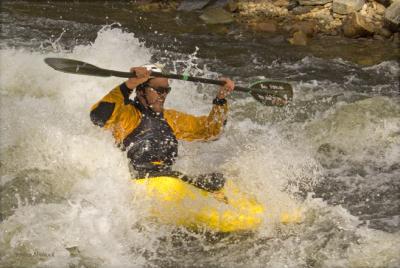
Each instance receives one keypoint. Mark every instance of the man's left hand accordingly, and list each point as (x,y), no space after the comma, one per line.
(226,89)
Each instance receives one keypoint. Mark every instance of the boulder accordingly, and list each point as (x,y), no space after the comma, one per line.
(147,6)
(299,39)
(338,16)
(269,26)
(281,3)
(190,5)
(292,4)
(392,16)
(356,25)
(313,2)
(216,15)
(370,12)
(322,15)
(263,8)
(396,38)
(231,6)
(347,6)
(307,27)
(219,3)
(378,37)
(386,3)
(299,10)
(384,32)
(379,8)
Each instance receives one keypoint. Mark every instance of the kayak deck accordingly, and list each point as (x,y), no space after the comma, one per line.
(176,202)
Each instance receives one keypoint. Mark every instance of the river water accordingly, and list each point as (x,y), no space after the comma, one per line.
(66,197)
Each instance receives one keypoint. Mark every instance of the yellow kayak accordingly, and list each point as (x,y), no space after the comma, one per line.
(176,202)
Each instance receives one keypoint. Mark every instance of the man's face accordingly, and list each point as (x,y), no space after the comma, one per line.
(156,93)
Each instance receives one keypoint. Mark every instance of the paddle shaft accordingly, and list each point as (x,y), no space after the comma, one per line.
(184,78)
(261,90)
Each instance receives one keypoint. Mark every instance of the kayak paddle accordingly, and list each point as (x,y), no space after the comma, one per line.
(265,91)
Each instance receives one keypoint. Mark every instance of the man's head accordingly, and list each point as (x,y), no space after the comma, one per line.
(153,93)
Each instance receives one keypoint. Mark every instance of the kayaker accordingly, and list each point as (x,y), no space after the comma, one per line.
(149,133)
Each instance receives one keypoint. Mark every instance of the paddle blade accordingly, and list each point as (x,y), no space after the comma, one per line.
(76,67)
(272,93)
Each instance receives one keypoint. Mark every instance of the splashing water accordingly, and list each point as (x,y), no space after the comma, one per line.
(67,199)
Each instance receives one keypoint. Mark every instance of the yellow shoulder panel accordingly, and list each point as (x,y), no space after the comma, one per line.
(191,128)
(125,117)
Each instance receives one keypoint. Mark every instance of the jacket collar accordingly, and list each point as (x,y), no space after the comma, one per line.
(146,110)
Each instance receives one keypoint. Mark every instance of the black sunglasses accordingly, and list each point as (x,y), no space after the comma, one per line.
(161,90)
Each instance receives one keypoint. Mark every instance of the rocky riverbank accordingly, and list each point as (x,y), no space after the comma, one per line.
(306,18)
(300,20)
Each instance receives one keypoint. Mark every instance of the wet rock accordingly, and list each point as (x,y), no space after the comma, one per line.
(219,3)
(265,26)
(335,25)
(261,9)
(347,6)
(309,28)
(384,32)
(385,3)
(277,39)
(357,26)
(396,38)
(313,2)
(339,16)
(151,6)
(281,3)
(299,10)
(219,29)
(322,15)
(287,26)
(191,5)
(292,4)
(299,39)
(216,15)
(333,32)
(328,15)
(231,6)
(378,37)
(392,16)
(368,11)
(379,8)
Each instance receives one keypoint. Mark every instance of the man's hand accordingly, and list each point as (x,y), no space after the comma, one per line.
(226,89)
(142,75)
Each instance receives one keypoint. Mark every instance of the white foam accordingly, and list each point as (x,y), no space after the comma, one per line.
(45,126)
(370,124)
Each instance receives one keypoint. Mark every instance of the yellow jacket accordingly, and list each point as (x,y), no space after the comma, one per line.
(125,117)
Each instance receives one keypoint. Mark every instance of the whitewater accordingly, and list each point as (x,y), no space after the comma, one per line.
(67,199)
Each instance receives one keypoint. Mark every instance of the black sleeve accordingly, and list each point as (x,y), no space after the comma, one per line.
(125,92)
(102,113)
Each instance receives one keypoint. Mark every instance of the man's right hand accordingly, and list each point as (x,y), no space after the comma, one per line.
(142,75)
